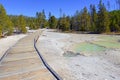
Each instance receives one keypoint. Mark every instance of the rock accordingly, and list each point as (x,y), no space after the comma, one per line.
(119,41)
(44,35)
(70,54)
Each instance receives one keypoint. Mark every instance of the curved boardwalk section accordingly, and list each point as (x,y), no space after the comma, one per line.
(23,63)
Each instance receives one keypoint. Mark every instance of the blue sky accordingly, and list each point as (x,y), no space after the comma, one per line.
(30,7)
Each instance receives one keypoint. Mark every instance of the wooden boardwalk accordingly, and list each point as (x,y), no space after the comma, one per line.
(23,63)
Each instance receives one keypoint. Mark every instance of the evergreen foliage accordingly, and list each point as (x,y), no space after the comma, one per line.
(5,23)
(52,22)
(64,23)
(103,19)
(115,21)
(21,24)
(95,20)
(41,19)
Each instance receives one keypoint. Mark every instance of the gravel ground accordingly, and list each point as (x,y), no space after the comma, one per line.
(103,65)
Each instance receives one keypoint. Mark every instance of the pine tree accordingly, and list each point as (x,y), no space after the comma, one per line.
(5,23)
(38,19)
(103,19)
(52,22)
(41,19)
(49,15)
(10,26)
(93,19)
(77,20)
(64,23)
(32,23)
(115,21)
(85,20)
(2,18)
(22,24)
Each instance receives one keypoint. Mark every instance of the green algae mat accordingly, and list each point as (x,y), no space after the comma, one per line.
(109,42)
(106,42)
(109,38)
(108,45)
(88,47)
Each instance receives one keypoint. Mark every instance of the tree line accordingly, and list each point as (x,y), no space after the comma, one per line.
(95,19)
(5,23)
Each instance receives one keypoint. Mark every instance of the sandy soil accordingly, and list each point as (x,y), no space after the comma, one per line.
(6,43)
(100,66)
